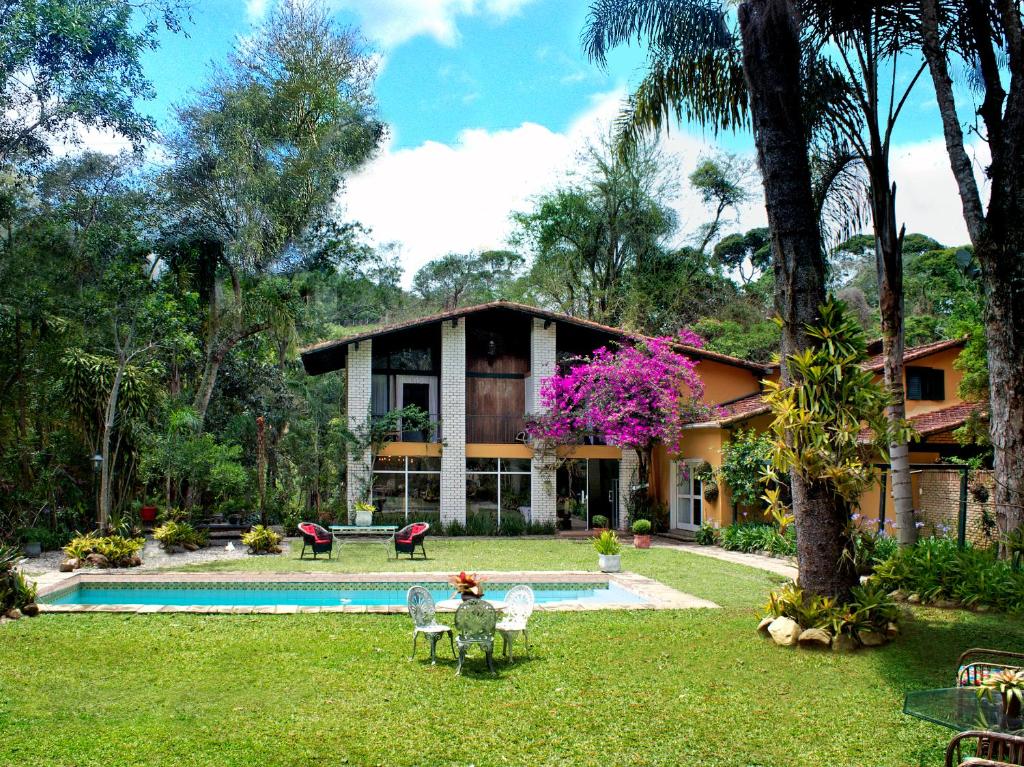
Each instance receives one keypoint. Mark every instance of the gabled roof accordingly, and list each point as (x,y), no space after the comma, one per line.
(937,421)
(877,362)
(315,357)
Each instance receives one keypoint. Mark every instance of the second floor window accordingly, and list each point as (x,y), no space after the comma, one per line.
(925,384)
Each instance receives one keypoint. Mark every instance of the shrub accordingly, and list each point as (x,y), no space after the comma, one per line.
(512,524)
(607,543)
(49,540)
(540,528)
(481,523)
(935,568)
(745,459)
(455,528)
(116,550)
(870,609)
(758,536)
(707,535)
(641,506)
(172,535)
(15,590)
(262,540)
(599,520)
(642,527)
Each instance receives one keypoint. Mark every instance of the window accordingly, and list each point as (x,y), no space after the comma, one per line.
(497,487)
(406,486)
(925,383)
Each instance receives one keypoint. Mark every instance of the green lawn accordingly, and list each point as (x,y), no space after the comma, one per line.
(604,688)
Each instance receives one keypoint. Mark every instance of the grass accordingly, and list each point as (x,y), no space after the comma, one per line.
(622,688)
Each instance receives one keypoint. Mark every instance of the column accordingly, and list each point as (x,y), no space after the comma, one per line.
(543,498)
(629,466)
(358,380)
(453,420)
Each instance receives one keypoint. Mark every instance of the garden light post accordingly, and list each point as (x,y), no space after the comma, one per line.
(97,463)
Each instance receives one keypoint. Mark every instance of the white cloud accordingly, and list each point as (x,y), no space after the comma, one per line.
(255,10)
(391,22)
(437,198)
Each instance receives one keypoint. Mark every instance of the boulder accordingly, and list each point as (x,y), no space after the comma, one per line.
(191,547)
(872,638)
(982,609)
(69,565)
(897,595)
(811,637)
(13,614)
(914,599)
(784,631)
(135,561)
(31,610)
(97,560)
(762,627)
(892,630)
(843,643)
(947,604)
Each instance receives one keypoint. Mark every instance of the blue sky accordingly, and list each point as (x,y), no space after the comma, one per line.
(488,103)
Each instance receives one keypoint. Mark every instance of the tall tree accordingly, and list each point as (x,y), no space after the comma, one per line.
(258,157)
(988,37)
(690,41)
(457,279)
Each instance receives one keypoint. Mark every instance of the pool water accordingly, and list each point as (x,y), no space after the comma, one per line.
(319,594)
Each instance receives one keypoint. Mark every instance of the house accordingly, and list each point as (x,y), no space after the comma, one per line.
(478,371)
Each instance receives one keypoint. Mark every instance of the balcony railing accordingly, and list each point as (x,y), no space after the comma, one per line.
(501,429)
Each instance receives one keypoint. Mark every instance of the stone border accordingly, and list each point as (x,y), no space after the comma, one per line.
(657,595)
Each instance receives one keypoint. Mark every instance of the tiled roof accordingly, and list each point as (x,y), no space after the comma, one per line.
(877,362)
(741,409)
(319,349)
(937,421)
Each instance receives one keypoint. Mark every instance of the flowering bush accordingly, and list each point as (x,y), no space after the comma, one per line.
(468,584)
(632,397)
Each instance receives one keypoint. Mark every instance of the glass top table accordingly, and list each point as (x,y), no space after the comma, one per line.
(960,708)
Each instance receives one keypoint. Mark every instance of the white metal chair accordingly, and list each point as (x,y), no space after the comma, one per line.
(518,608)
(422,610)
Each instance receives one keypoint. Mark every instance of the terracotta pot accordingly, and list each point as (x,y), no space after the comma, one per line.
(148,513)
(642,541)
(598,530)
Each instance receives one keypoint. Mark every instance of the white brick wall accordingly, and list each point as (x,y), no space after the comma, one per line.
(543,499)
(628,466)
(358,383)
(453,421)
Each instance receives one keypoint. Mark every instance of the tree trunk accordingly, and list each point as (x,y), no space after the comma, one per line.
(998,238)
(771,63)
(109,418)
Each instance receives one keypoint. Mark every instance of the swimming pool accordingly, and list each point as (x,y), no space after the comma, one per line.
(322,594)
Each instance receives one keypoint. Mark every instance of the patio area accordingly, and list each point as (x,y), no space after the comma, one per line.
(648,687)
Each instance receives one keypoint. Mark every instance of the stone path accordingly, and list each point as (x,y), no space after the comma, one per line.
(771,564)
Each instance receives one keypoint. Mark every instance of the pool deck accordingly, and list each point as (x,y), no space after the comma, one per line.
(657,595)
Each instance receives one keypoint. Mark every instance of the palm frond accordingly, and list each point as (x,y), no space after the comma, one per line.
(841,193)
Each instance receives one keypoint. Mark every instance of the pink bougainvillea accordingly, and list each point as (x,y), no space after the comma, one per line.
(632,397)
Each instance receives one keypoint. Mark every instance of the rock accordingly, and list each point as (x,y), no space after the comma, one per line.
(947,604)
(13,614)
(843,643)
(191,547)
(69,565)
(31,610)
(914,599)
(762,627)
(135,561)
(892,630)
(982,608)
(97,560)
(898,595)
(784,631)
(810,637)
(872,638)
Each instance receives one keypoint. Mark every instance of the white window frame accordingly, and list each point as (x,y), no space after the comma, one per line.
(499,472)
(405,472)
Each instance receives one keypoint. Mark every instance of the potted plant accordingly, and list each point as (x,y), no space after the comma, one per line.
(147,513)
(642,533)
(33,543)
(599,524)
(467,586)
(1008,687)
(364,514)
(608,548)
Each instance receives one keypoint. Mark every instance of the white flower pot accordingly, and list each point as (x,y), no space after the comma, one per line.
(609,563)
(364,518)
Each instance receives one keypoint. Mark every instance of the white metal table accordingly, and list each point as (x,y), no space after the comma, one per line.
(375,533)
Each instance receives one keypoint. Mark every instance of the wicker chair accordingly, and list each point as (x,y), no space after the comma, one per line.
(992,749)
(409,537)
(977,664)
(518,609)
(316,538)
(475,621)
(422,611)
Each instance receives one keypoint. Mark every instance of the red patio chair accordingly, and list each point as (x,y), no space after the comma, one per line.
(409,537)
(316,538)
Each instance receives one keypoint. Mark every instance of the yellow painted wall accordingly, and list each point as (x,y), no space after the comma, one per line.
(697,444)
(941,360)
(498,450)
(412,448)
(723,383)
(590,451)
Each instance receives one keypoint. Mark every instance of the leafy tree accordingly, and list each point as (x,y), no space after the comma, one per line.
(746,458)
(723,183)
(455,279)
(752,249)
(258,157)
(72,64)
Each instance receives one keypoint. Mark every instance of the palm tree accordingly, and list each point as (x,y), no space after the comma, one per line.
(701,69)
